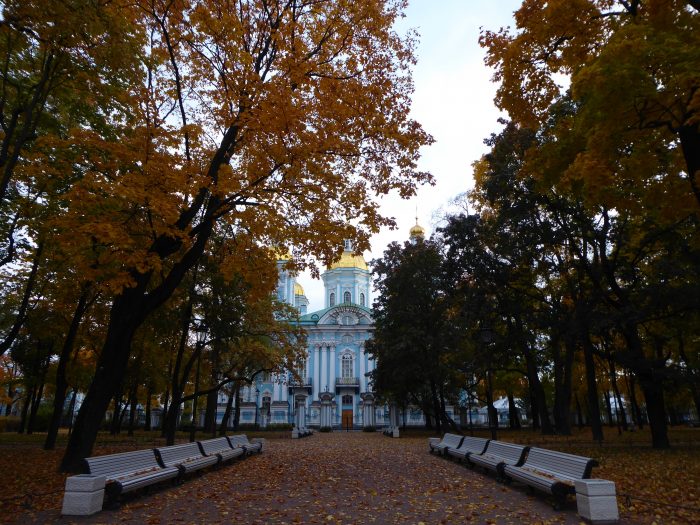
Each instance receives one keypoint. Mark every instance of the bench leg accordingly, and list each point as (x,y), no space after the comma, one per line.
(559,502)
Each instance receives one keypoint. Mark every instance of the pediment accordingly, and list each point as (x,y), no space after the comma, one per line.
(346,315)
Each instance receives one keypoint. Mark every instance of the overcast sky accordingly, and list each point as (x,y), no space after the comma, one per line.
(453,100)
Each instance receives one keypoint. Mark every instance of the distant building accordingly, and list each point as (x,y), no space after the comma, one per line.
(336,368)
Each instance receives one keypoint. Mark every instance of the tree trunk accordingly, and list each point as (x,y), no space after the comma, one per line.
(35,407)
(608,408)
(116,413)
(579,414)
(621,414)
(513,413)
(636,413)
(129,310)
(237,406)
(210,414)
(147,423)
(536,388)
(690,144)
(125,317)
(25,409)
(436,407)
(71,410)
(562,387)
(592,389)
(61,382)
(227,413)
(650,381)
(133,399)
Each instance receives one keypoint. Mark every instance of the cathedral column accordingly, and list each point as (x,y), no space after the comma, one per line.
(275,388)
(334,372)
(363,379)
(324,370)
(316,380)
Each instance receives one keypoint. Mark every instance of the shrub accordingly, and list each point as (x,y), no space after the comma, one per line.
(325,429)
(42,418)
(369,429)
(9,423)
(248,426)
(279,426)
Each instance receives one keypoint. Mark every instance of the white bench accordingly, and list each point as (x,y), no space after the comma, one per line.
(128,471)
(187,457)
(220,447)
(448,441)
(497,454)
(241,441)
(551,472)
(470,445)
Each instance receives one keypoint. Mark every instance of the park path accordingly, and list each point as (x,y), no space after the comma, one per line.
(338,478)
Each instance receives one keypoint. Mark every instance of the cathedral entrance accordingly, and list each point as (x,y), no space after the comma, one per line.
(346,421)
(347,418)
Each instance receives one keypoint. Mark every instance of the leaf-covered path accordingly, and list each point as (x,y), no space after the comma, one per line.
(332,479)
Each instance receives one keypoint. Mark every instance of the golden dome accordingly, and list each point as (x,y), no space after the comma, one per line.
(281,254)
(349,260)
(417,231)
(298,290)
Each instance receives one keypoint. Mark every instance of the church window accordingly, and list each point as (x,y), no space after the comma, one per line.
(348,245)
(302,370)
(347,365)
(362,299)
(331,301)
(346,297)
(265,408)
(347,399)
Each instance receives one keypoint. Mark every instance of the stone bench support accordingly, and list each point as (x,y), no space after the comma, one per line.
(596,501)
(84,495)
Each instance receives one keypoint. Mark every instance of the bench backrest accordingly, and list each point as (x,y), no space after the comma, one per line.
(569,465)
(514,454)
(452,440)
(474,445)
(116,465)
(178,453)
(212,446)
(241,439)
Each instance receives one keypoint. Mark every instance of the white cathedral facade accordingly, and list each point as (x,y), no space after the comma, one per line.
(336,371)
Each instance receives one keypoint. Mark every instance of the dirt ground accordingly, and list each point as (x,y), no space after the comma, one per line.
(337,478)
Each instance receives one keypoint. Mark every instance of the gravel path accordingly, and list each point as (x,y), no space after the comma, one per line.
(332,479)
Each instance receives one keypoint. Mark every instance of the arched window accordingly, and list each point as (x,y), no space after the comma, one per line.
(362,299)
(347,365)
(331,301)
(347,399)
(266,402)
(346,297)
(302,370)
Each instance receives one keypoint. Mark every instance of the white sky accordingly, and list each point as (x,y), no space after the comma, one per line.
(453,100)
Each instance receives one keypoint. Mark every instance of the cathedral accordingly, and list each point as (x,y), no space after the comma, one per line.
(335,390)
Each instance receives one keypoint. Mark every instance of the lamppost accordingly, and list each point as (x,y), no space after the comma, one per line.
(201,335)
(257,394)
(487,339)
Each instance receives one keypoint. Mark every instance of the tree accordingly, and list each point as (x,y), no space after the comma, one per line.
(263,116)
(633,70)
(413,336)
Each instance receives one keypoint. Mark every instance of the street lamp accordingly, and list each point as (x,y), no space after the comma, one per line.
(257,394)
(201,335)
